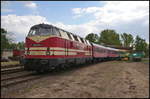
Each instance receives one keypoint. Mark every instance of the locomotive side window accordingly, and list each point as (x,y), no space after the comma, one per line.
(82,40)
(69,36)
(64,34)
(75,37)
(85,41)
(72,37)
(79,39)
(88,42)
(56,31)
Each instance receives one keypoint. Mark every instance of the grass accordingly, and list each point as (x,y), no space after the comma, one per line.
(145,61)
(9,63)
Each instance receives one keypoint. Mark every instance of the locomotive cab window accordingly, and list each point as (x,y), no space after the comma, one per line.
(43,31)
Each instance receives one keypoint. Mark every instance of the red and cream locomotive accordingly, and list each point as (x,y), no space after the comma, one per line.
(48,47)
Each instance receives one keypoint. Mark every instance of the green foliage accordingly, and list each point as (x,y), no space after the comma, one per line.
(4,39)
(141,45)
(6,43)
(92,37)
(127,40)
(109,37)
(20,45)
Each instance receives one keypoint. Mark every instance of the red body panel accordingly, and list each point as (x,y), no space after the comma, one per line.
(61,43)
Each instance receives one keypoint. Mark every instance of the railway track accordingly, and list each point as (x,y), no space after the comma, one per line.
(18,79)
(11,66)
(13,78)
(13,69)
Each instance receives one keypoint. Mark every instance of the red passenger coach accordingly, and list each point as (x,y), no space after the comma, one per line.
(99,52)
(47,47)
(113,53)
(104,53)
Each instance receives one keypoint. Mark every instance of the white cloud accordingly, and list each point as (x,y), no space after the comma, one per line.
(20,25)
(116,10)
(77,10)
(30,4)
(123,16)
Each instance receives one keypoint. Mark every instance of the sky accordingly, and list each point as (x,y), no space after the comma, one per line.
(78,17)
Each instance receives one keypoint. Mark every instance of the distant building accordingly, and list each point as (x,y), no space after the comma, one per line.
(6,53)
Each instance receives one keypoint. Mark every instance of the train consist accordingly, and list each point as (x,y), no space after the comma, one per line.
(48,47)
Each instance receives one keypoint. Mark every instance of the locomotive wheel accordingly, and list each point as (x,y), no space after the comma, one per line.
(40,71)
(63,67)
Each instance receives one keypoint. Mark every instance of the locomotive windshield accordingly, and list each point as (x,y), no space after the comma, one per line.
(43,30)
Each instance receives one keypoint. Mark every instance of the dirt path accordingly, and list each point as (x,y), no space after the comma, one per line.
(107,79)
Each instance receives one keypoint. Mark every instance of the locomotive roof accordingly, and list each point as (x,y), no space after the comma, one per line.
(51,26)
(42,26)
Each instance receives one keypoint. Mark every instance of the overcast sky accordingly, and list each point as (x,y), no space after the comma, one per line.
(78,17)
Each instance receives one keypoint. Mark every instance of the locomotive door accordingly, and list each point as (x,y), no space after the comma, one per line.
(66,48)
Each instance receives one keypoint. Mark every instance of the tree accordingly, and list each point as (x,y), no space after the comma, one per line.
(109,37)
(20,45)
(140,44)
(127,40)
(92,37)
(147,51)
(4,39)
(12,46)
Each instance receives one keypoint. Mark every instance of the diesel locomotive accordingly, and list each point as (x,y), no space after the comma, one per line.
(48,47)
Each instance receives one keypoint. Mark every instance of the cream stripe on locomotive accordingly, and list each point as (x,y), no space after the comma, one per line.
(54,52)
(38,48)
(37,53)
(54,48)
